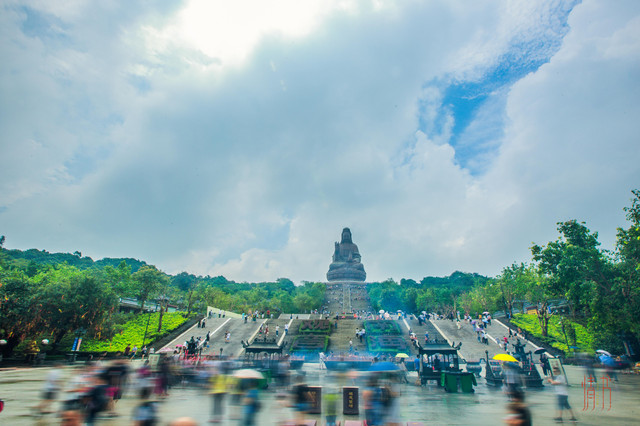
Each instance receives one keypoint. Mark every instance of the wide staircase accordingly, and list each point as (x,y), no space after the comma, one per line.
(345,299)
(345,332)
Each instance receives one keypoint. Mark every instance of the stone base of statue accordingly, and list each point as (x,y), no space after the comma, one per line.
(346,272)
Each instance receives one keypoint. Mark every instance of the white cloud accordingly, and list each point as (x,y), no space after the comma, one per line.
(127,141)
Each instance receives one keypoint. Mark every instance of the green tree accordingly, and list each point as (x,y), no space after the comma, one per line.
(628,284)
(574,265)
(19,314)
(513,283)
(119,279)
(187,283)
(303,302)
(615,319)
(425,300)
(409,299)
(146,283)
(538,293)
(70,299)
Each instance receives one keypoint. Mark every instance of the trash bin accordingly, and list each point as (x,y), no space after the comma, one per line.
(467,382)
(449,381)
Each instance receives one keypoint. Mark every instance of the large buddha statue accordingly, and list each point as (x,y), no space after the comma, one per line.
(346,264)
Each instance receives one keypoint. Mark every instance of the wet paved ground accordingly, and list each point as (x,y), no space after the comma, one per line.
(21,389)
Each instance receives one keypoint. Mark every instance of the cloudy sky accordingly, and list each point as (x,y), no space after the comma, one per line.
(238,138)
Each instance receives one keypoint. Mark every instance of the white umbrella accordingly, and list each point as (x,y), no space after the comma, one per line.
(248,373)
(603,352)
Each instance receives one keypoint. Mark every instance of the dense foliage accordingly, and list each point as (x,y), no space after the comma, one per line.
(31,259)
(58,296)
(435,294)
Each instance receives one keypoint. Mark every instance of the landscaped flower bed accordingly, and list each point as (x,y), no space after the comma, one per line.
(315,327)
(389,344)
(381,327)
(310,343)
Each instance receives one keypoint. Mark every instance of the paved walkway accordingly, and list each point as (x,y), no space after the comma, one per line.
(21,390)
(471,349)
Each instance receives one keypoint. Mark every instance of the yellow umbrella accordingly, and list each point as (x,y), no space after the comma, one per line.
(505,357)
(402,355)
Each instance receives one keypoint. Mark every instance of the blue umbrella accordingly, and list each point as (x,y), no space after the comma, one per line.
(608,361)
(384,366)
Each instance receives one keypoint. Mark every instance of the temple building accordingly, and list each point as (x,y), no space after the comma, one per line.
(346,265)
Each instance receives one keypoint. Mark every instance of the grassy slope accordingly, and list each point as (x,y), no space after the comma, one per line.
(529,322)
(133,332)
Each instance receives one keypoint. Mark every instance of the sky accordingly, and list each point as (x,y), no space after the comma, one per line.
(239,138)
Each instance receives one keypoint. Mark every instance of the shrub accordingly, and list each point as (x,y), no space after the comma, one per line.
(381,327)
(310,343)
(386,343)
(315,327)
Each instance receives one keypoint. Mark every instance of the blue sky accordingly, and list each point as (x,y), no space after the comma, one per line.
(240,138)
(466,99)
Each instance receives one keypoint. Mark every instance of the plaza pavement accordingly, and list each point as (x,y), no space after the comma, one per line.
(21,390)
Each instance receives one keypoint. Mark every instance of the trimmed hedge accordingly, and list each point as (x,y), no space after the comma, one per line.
(387,344)
(382,327)
(310,343)
(322,326)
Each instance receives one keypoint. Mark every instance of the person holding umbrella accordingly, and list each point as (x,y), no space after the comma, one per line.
(248,379)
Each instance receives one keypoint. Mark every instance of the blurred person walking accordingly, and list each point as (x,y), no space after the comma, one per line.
(518,413)
(559,383)
(251,404)
(371,397)
(300,400)
(218,391)
(51,389)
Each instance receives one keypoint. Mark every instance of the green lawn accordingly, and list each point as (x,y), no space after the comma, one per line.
(133,332)
(556,338)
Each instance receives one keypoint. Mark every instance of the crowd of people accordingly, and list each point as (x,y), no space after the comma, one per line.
(93,390)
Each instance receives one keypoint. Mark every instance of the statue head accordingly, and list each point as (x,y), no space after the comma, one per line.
(346,236)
